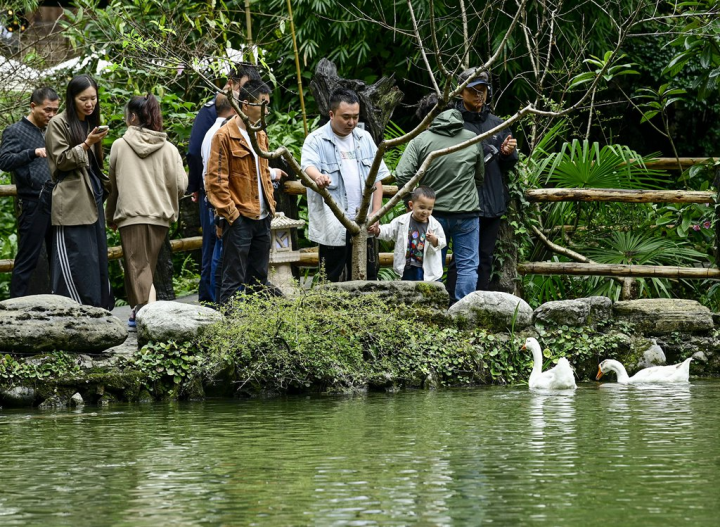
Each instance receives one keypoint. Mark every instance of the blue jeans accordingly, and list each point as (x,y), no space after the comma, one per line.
(206,289)
(465,237)
(413,274)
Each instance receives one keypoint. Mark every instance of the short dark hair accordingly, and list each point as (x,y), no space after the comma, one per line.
(43,94)
(244,69)
(425,105)
(252,90)
(422,192)
(222,104)
(340,95)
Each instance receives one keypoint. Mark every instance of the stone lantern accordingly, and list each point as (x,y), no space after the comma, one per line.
(282,255)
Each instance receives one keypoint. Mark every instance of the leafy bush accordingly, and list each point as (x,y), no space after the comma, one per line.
(54,365)
(327,340)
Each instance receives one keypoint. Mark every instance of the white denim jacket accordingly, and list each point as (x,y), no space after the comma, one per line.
(397,230)
(321,151)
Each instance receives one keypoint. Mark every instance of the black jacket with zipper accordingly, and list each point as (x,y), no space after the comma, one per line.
(494,195)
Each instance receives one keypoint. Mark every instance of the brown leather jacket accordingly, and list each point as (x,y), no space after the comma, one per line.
(231,179)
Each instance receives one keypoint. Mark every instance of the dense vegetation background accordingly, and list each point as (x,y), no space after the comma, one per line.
(659,64)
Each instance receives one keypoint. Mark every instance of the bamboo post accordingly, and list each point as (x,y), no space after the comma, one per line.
(297,68)
(248,30)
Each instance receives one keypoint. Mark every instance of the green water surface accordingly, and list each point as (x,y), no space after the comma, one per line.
(603,455)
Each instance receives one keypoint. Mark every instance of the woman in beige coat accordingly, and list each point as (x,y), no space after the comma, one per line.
(74,151)
(148,179)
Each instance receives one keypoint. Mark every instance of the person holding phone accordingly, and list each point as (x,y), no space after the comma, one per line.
(79,265)
(501,157)
(148,179)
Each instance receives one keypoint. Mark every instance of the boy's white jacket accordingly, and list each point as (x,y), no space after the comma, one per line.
(397,230)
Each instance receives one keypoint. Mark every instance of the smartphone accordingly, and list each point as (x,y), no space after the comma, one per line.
(103,128)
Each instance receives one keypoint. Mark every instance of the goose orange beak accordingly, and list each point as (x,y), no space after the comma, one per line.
(599,374)
(523,348)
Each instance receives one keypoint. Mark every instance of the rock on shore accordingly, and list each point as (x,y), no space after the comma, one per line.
(41,323)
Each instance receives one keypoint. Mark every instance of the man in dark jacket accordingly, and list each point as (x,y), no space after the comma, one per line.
(454,178)
(23,153)
(500,158)
(204,120)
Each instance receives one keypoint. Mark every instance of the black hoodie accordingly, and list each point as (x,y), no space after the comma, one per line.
(493,194)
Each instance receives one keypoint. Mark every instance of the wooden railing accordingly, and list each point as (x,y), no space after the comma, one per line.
(533,195)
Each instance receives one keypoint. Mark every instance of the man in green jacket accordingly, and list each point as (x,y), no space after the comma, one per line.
(454,178)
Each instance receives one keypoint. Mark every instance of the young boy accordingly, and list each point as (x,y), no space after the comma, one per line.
(419,239)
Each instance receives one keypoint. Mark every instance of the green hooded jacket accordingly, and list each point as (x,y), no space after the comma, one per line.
(454,177)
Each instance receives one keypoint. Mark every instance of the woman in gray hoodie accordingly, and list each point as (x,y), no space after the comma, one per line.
(148,179)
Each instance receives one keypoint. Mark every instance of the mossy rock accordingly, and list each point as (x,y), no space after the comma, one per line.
(661,316)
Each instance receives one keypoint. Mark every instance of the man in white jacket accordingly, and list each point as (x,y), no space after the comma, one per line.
(419,239)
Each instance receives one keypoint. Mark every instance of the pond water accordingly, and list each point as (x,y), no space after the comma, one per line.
(603,455)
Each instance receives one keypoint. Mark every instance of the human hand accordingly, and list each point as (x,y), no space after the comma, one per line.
(508,146)
(195,196)
(430,236)
(40,152)
(374,229)
(323,180)
(279,174)
(218,232)
(96,136)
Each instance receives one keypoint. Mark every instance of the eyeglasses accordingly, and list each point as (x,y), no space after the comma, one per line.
(267,105)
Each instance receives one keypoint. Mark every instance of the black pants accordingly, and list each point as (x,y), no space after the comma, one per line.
(338,260)
(34,229)
(80,262)
(489,230)
(246,256)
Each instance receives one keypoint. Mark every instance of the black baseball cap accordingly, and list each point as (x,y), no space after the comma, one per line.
(482,78)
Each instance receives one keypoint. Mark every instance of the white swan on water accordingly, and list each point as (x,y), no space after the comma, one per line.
(561,377)
(656,374)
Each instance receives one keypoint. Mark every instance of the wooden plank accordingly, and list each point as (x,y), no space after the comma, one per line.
(8,190)
(670,163)
(619,195)
(115,253)
(640,271)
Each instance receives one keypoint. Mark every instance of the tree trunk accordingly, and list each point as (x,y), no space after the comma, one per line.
(359,255)
(377,101)
(506,278)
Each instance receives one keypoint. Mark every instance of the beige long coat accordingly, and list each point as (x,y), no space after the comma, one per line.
(73,200)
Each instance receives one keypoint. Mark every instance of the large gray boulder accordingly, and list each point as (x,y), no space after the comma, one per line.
(493,311)
(164,321)
(580,312)
(660,316)
(41,323)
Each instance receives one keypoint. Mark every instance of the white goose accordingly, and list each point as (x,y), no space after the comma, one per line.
(655,374)
(561,377)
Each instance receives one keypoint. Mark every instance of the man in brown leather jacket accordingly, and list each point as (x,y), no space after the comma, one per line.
(239,185)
